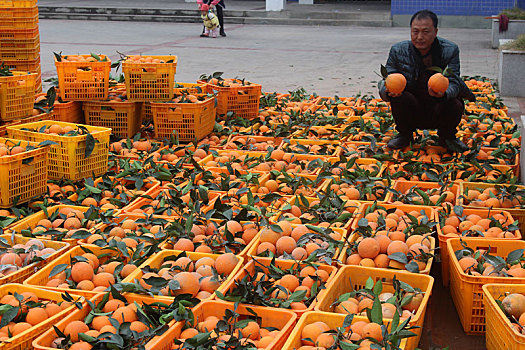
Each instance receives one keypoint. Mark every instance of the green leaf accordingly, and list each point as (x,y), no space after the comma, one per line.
(369,283)
(90,144)
(399,257)
(384,72)
(515,255)
(47,143)
(376,313)
(57,269)
(378,288)
(9,316)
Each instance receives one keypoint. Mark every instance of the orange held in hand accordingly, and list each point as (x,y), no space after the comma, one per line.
(438,83)
(395,83)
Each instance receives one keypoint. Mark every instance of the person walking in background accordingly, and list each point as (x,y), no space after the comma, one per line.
(210,20)
(219,6)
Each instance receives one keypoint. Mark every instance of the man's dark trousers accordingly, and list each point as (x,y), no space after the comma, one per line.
(421,111)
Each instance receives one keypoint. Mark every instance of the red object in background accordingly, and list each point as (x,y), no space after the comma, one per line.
(503,23)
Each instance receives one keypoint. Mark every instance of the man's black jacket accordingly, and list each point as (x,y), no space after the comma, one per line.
(404,58)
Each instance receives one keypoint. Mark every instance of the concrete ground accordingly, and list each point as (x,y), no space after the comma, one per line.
(322,59)
(325,60)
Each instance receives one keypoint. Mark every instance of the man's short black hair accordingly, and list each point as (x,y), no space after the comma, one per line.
(425,14)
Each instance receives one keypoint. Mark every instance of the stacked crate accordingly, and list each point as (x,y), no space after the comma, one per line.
(19,37)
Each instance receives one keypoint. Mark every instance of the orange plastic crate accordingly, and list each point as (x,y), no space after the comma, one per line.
(332,320)
(31,221)
(17,3)
(23,176)
(189,121)
(150,81)
(189,88)
(249,269)
(26,271)
(83,81)
(354,278)
(445,258)
(145,112)
(517,212)
(243,101)
(30,66)
(499,332)
(157,260)
(467,291)
(17,95)
(404,186)
(67,158)
(69,112)
(45,340)
(283,320)
(24,339)
(18,34)
(41,278)
(18,17)
(123,118)
(20,49)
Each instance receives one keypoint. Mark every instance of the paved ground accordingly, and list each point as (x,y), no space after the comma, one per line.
(364,6)
(327,60)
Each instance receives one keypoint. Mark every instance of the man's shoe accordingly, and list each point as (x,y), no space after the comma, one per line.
(204,35)
(400,141)
(222,33)
(454,145)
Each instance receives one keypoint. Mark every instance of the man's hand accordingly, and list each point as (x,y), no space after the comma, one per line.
(435,94)
(391,94)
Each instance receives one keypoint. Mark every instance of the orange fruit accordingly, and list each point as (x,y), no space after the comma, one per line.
(368,248)
(395,82)
(36,315)
(225,263)
(73,328)
(81,271)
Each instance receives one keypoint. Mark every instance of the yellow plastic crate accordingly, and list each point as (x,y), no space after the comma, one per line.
(354,278)
(67,158)
(20,275)
(23,176)
(189,121)
(499,332)
(467,291)
(83,81)
(123,118)
(150,81)
(156,261)
(17,95)
(332,320)
(283,320)
(25,339)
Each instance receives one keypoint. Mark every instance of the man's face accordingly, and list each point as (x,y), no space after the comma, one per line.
(423,33)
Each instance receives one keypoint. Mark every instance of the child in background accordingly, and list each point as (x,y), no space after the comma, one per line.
(211,22)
